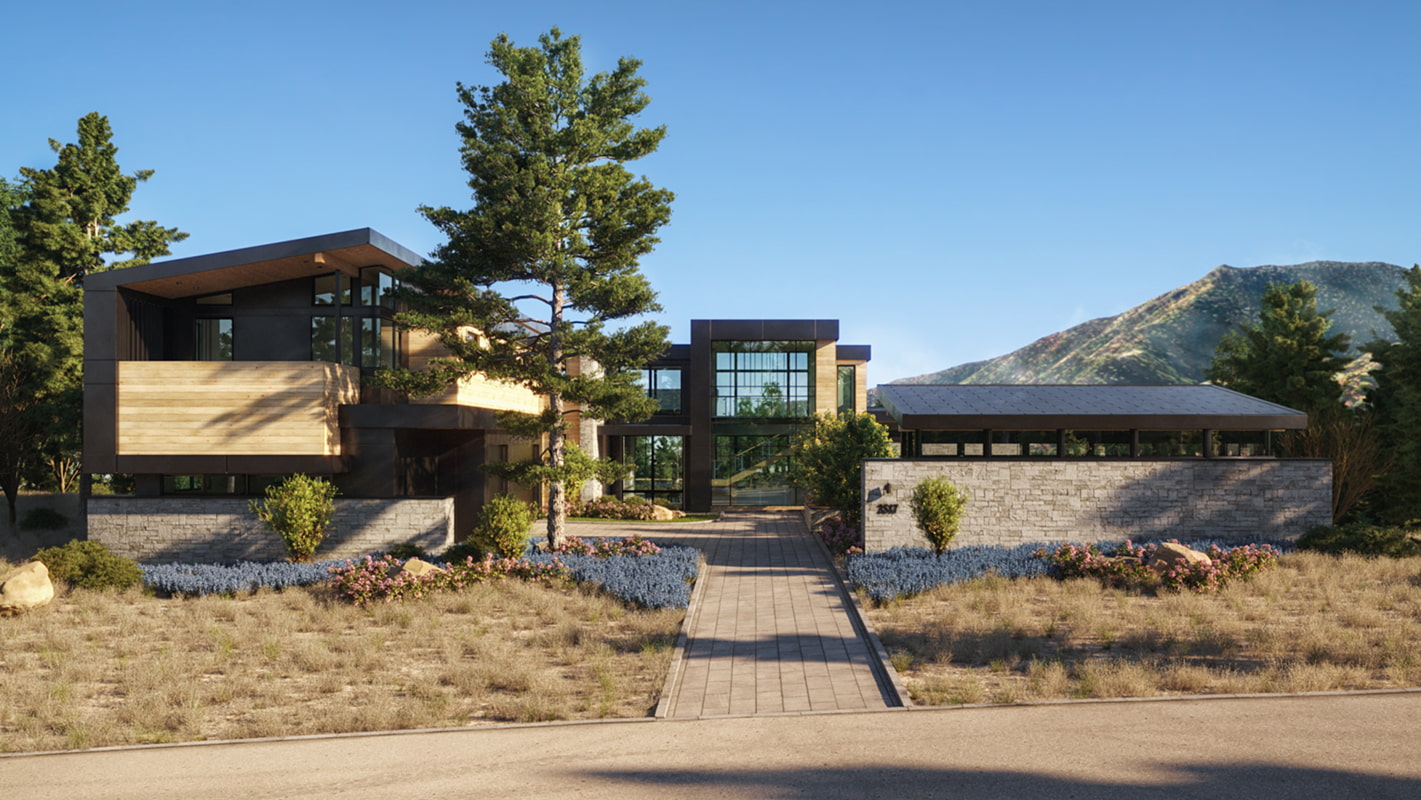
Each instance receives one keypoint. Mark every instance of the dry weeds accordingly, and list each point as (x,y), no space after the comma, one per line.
(1316,623)
(96,669)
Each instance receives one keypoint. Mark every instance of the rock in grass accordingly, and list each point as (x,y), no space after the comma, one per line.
(25,588)
(419,568)
(1171,553)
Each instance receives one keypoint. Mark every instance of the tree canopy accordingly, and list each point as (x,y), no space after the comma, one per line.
(1287,357)
(535,278)
(59,224)
(828,460)
(1396,400)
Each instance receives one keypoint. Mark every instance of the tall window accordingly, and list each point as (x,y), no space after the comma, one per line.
(846,388)
(664,386)
(214,339)
(333,339)
(764,379)
(658,468)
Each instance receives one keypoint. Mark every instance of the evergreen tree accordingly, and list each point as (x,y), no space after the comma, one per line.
(534,277)
(1396,400)
(1287,357)
(59,226)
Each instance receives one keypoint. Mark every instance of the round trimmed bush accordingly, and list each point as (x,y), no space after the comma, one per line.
(503,527)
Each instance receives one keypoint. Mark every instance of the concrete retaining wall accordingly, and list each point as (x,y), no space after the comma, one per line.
(221,529)
(1059,500)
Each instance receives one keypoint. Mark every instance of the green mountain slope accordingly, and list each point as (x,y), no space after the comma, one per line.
(1171,339)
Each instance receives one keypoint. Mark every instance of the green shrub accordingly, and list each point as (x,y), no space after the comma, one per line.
(299,509)
(406,550)
(458,553)
(828,460)
(89,565)
(937,508)
(503,527)
(1367,540)
(43,519)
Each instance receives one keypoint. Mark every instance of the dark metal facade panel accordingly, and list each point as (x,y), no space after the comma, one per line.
(433,416)
(646,430)
(185,464)
(853,352)
(764,329)
(1025,407)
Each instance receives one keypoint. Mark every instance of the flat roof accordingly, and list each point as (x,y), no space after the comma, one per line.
(346,251)
(1082,407)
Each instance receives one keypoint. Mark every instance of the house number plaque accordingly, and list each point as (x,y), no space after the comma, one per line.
(888,508)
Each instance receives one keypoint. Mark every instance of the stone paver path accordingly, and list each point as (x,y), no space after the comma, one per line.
(772,631)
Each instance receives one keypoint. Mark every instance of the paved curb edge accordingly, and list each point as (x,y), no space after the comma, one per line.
(889,681)
(678,657)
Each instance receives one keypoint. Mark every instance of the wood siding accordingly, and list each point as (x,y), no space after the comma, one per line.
(475,390)
(232,407)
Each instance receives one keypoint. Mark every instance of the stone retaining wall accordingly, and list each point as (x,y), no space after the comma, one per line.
(1059,500)
(221,529)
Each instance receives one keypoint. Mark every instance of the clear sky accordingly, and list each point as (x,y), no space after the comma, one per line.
(951,180)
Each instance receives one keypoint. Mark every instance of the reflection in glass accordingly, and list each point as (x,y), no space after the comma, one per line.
(214,340)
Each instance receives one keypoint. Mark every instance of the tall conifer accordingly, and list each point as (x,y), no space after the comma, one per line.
(535,277)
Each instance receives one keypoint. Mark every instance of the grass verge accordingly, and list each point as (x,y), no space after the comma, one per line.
(97,669)
(1315,623)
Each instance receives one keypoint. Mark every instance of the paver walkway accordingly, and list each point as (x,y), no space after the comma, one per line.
(772,631)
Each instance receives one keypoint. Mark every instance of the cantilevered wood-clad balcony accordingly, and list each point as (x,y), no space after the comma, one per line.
(232,407)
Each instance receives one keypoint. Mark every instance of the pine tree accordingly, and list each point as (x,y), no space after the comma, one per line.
(1396,399)
(534,277)
(1287,357)
(60,225)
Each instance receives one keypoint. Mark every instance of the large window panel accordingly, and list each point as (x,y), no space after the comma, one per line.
(333,339)
(214,339)
(763,379)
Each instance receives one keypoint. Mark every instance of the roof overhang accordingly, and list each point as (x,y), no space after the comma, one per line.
(346,252)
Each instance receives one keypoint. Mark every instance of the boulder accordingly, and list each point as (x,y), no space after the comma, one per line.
(419,567)
(664,513)
(25,588)
(1171,553)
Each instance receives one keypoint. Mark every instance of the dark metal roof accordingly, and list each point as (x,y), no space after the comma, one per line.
(1037,407)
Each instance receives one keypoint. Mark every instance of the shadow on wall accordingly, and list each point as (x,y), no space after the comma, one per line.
(223,530)
(1262,500)
(18,543)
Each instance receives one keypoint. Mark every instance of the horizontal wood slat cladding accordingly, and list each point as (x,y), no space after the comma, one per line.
(476,390)
(232,407)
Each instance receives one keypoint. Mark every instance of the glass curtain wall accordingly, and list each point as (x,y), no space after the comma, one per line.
(763,391)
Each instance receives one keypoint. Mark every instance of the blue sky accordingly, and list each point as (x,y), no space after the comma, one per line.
(950,180)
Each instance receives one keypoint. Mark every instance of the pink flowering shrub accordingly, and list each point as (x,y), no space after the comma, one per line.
(1130,565)
(841,539)
(379,580)
(606,548)
(611,507)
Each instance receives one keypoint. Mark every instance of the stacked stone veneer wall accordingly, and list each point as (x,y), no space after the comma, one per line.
(1016,501)
(221,529)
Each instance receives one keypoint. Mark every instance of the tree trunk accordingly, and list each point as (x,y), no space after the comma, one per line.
(557,490)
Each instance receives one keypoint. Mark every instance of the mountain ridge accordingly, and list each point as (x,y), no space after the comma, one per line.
(1170,338)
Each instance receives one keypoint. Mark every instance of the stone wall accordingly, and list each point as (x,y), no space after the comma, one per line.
(221,529)
(1058,500)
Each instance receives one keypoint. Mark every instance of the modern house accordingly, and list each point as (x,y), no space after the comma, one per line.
(730,403)
(1078,463)
(209,378)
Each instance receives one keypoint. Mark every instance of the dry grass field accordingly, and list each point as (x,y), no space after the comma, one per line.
(95,669)
(1316,623)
